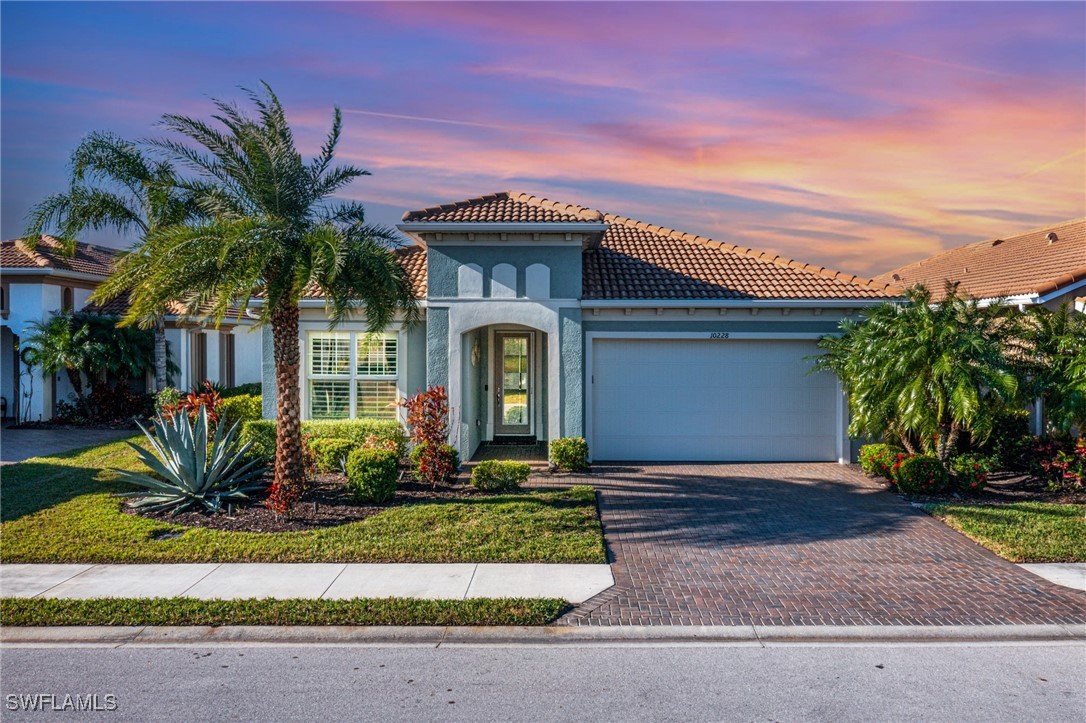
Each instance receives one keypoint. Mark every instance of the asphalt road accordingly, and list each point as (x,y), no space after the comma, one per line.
(1022,682)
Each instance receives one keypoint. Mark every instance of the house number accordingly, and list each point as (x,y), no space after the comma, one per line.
(719,335)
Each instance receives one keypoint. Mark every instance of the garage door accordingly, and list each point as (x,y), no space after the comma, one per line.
(710,400)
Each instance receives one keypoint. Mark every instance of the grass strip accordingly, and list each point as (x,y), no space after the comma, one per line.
(359,611)
(60,509)
(1021,531)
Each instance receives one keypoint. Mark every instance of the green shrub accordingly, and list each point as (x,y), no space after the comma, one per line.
(971,472)
(262,433)
(250,389)
(1010,441)
(499,475)
(878,460)
(240,408)
(569,453)
(372,474)
(434,465)
(166,399)
(922,474)
(329,452)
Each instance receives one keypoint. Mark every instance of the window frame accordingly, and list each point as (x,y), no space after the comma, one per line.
(351,375)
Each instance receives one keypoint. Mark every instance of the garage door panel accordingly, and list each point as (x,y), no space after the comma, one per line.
(667,399)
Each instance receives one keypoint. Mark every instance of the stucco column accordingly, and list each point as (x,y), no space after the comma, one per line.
(571,389)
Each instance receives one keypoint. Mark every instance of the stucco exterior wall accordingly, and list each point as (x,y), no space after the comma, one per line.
(443,264)
(437,347)
(572,372)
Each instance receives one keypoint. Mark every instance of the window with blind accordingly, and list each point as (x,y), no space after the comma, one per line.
(352,375)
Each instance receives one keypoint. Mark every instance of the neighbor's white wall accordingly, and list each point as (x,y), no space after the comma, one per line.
(248,349)
(29,303)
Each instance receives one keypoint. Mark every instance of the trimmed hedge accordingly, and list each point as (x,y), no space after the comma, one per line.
(250,389)
(261,433)
(500,475)
(878,460)
(569,453)
(329,452)
(971,472)
(372,474)
(244,407)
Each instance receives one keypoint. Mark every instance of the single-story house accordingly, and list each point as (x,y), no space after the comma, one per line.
(545,319)
(1044,267)
(36,283)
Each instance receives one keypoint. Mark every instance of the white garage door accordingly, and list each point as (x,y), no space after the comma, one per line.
(710,400)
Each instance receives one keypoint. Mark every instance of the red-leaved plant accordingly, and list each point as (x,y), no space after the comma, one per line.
(208,397)
(428,416)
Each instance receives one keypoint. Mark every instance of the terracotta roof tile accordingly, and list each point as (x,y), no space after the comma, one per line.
(413,260)
(505,207)
(87,259)
(118,305)
(1036,262)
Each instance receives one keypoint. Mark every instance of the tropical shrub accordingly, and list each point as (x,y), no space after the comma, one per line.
(877,460)
(428,418)
(971,472)
(205,397)
(497,475)
(922,474)
(240,408)
(569,453)
(261,433)
(250,389)
(329,453)
(434,465)
(167,398)
(1054,364)
(1060,461)
(925,372)
(187,470)
(372,474)
(1010,440)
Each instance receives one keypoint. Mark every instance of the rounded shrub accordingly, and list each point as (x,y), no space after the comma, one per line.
(497,475)
(922,474)
(372,474)
(434,464)
(878,460)
(329,453)
(971,472)
(569,453)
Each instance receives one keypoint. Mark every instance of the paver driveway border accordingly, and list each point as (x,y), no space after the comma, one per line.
(801,544)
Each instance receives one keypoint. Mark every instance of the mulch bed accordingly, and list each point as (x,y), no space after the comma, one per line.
(1004,488)
(327,503)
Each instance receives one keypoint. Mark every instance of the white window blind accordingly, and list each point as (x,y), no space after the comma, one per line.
(353,375)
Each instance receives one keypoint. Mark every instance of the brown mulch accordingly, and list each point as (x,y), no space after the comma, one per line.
(326,504)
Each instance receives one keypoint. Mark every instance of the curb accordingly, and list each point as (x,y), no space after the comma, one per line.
(750,635)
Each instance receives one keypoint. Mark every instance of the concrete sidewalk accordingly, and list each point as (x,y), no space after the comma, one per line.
(328,581)
(1068,574)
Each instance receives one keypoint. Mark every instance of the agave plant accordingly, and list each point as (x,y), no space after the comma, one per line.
(187,470)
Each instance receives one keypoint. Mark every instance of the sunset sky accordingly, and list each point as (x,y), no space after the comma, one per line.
(859,136)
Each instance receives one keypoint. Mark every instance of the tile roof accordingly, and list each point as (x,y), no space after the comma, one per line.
(1036,262)
(413,260)
(118,306)
(505,207)
(87,259)
(640,261)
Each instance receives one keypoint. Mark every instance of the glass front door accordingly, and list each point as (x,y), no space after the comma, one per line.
(512,374)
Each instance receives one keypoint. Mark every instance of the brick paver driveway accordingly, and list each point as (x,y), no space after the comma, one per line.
(795,544)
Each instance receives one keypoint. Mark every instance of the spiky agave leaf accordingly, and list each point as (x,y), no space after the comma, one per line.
(186,470)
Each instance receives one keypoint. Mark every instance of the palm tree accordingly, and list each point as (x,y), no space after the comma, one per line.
(64,341)
(271,233)
(1055,368)
(926,372)
(115,185)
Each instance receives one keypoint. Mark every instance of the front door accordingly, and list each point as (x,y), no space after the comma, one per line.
(513,395)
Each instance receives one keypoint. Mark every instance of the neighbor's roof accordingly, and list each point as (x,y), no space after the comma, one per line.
(637,260)
(118,306)
(1037,262)
(48,254)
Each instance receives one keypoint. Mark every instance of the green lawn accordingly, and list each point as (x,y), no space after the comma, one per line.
(59,509)
(1023,531)
(361,611)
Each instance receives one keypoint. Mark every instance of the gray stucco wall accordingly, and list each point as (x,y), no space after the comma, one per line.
(437,347)
(572,372)
(472,399)
(416,358)
(443,262)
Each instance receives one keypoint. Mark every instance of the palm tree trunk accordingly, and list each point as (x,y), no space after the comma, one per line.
(160,354)
(76,381)
(289,473)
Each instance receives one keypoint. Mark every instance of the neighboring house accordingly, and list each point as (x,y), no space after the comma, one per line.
(33,284)
(546,319)
(1044,267)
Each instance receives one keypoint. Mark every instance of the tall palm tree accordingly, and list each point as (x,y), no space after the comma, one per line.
(926,372)
(115,185)
(272,232)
